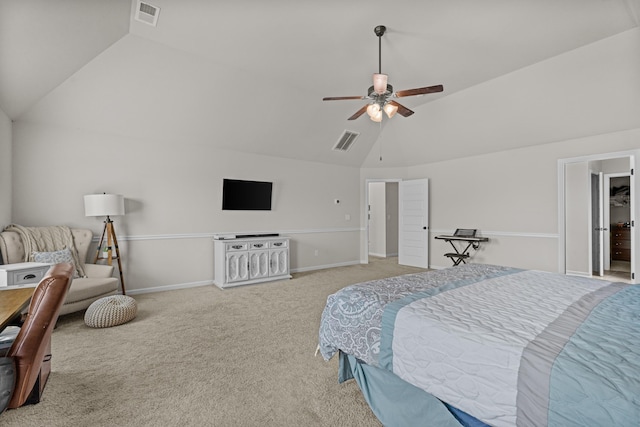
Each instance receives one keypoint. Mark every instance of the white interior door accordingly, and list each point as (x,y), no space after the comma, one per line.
(413,239)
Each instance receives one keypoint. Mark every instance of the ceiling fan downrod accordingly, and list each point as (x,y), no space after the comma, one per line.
(380,84)
(380,30)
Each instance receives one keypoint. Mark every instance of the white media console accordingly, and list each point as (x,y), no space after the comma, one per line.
(247,260)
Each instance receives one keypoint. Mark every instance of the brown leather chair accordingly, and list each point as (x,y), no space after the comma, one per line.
(31,350)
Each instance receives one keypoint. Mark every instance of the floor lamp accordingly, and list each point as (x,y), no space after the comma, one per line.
(107,205)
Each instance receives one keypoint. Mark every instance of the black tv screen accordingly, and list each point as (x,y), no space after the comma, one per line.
(239,195)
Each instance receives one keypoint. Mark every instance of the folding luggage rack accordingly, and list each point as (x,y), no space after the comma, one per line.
(463,235)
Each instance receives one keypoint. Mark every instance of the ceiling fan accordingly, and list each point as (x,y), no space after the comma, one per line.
(381,93)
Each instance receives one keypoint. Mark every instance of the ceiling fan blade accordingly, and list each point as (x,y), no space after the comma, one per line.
(419,91)
(359,113)
(402,110)
(340,98)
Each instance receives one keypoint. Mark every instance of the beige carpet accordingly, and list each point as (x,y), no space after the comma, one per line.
(206,357)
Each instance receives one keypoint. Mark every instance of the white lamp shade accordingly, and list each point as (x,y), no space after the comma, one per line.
(377,117)
(390,109)
(103,205)
(373,109)
(380,83)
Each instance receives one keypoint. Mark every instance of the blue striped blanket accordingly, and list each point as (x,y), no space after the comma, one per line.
(507,346)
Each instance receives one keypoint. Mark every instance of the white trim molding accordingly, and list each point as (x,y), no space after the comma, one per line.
(323,267)
(210,282)
(169,287)
(211,235)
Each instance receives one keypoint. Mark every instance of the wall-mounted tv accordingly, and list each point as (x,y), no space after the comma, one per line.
(240,195)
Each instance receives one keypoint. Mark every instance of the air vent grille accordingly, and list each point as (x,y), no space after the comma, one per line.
(147,13)
(346,140)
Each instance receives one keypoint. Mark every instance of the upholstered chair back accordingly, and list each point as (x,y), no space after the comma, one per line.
(30,346)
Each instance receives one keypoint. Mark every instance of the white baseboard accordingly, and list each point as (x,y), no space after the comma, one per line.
(383,255)
(322,267)
(169,287)
(210,282)
(578,273)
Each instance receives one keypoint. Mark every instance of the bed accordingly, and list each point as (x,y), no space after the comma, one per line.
(479,345)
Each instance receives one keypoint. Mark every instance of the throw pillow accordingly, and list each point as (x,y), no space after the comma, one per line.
(56,257)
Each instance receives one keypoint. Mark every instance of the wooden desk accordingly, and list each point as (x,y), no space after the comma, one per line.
(12,302)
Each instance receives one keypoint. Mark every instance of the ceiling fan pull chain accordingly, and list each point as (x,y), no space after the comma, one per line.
(380,144)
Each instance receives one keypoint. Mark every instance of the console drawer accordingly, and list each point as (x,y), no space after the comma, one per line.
(278,244)
(21,274)
(238,246)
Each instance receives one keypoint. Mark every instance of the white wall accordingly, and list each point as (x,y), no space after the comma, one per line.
(511,197)
(173,200)
(5,170)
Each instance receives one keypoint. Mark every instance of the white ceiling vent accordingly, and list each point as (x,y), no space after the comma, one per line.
(147,13)
(346,140)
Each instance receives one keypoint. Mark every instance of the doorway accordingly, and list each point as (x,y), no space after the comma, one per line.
(617,210)
(382,219)
(399,225)
(588,225)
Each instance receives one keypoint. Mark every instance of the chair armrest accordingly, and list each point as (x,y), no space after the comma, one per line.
(98,270)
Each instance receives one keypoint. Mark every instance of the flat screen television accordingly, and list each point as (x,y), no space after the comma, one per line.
(240,195)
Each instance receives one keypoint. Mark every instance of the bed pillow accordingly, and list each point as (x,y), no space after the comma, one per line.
(56,257)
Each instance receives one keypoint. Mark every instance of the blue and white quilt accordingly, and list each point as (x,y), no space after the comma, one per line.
(507,346)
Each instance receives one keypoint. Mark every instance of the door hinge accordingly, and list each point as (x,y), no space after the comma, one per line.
(631,171)
(633,276)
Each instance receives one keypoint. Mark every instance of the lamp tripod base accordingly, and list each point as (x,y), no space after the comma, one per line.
(112,243)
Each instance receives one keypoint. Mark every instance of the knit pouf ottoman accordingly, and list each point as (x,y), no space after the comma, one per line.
(110,311)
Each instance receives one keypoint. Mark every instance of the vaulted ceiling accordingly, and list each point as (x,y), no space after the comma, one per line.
(249,75)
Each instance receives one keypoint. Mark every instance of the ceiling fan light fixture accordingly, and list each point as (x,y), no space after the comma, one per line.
(380,94)
(380,83)
(390,109)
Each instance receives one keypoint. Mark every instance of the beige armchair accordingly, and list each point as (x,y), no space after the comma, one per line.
(98,282)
